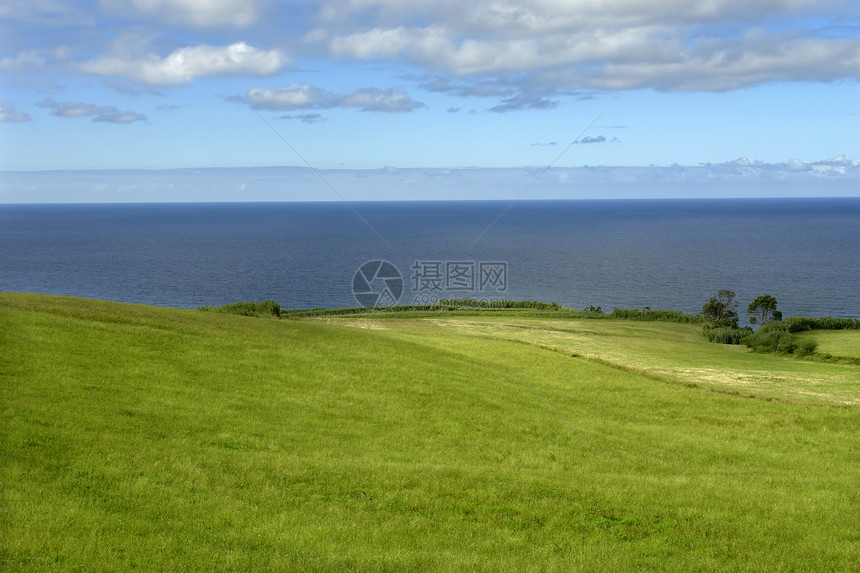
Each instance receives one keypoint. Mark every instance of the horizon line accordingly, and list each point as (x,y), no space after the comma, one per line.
(500,200)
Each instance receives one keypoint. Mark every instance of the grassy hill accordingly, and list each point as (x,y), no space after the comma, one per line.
(835,342)
(163,439)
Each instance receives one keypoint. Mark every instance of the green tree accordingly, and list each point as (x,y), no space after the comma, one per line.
(720,310)
(763,309)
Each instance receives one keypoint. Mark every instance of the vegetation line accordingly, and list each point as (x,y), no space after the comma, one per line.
(718,318)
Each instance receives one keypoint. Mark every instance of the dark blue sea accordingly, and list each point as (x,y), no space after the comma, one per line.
(671,254)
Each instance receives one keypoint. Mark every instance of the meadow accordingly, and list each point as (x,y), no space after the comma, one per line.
(138,437)
(835,342)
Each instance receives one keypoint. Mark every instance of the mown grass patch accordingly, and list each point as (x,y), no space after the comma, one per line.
(675,353)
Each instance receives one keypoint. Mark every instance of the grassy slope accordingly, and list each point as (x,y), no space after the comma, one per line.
(835,342)
(666,351)
(165,439)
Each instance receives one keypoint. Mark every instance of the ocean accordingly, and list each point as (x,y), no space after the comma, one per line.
(668,254)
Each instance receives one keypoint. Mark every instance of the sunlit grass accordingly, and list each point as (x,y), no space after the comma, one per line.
(157,439)
(666,351)
(835,342)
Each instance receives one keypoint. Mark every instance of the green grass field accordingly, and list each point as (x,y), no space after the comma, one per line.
(835,342)
(146,438)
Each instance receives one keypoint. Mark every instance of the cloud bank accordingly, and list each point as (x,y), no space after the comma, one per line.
(740,178)
(100,113)
(9,114)
(517,48)
(202,13)
(302,96)
(186,64)
(603,45)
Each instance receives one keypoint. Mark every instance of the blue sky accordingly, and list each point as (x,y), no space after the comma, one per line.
(358,85)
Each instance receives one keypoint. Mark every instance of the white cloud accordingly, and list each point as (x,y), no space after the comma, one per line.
(22,62)
(373,99)
(44,13)
(524,16)
(835,178)
(102,113)
(726,65)
(524,101)
(375,43)
(202,13)
(303,96)
(601,44)
(120,117)
(305,117)
(8,113)
(185,64)
(75,108)
(295,96)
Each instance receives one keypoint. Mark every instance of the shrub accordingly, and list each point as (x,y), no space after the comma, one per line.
(264,309)
(724,334)
(786,344)
(806,347)
(473,303)
(654,314)
(443,305)
(831,323)
(762,341)
(801,323)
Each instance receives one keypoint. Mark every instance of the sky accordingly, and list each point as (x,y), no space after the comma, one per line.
(127,100)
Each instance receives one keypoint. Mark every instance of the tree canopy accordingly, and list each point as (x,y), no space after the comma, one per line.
(763,309)
(721,309)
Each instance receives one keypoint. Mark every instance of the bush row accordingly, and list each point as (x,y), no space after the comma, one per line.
(264,309)
(772,340)
(400,308)
(444,305)
(653,314)
(551,308)
(725,334)
(473,303)
(780,341)
(800,323)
